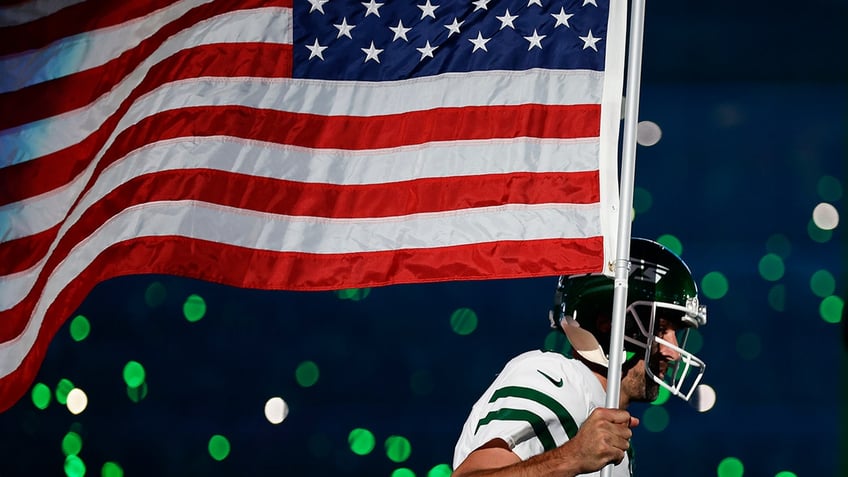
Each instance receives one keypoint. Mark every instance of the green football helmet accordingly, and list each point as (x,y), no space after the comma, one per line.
(660,287)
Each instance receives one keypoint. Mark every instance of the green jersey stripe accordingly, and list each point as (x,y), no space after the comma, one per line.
(535,421)
(526,393)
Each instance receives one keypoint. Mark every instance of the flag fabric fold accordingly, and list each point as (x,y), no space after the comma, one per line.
(306,145)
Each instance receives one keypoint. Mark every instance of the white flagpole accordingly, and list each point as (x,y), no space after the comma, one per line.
(628,173)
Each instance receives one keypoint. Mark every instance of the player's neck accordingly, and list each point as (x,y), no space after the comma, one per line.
(623,402)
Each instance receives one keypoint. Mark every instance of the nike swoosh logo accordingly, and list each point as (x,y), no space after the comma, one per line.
(552,380)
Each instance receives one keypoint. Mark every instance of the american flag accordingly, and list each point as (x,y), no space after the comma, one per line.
(325,144)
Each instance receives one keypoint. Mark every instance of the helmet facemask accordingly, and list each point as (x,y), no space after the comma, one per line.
(683,374)
(660,289)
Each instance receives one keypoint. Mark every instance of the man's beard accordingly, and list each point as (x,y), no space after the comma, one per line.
(652,389)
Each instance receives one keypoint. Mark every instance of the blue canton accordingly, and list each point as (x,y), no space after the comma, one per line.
(398,39)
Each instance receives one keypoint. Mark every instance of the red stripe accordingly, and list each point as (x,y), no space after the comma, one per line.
(96,14)
(248,268)
(260,60)
(313,200)
(57,169)
(20,254)
(309,130)
(73,20)
(52,97)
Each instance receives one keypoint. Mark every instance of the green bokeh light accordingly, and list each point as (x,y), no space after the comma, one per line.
(194,308)
(829,189)
(403,472)
(307,374)
(463,321)
(134,374)
(361,441)
(662,397)
(748,345)
(730,467)
(642,200)
(830,309)
(111,469)
(219,447)
(714,285)
(655,419)
(62,390)
(771,267)
(155,294)
(80,328)
(779,244)
(354,294)
(71,444)
(672,243)
(816,234)
(822,283)
(397,448)
(74,466)
(441,470)
(138,393)
(777,297)
(786,473)
(40,395)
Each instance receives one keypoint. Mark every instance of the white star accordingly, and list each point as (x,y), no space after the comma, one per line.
(316,50)
(479,42)
(428,10)
(427,50)
(481,4)
(400,31)
(372,7)
(506,20)
(536,2)
(562,18)
(371,53)
(344,29)
(589,2)
(535,40)
(317,5)
(589,41)
(454,27)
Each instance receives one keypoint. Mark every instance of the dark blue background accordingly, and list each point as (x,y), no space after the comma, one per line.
(752,102)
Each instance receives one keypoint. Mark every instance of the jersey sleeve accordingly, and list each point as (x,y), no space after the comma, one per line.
(535,404)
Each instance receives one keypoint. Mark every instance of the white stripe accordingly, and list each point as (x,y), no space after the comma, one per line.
(29,141)
(85,50)
(269,160)
(321,235)
(280,233)
(262,159)
(314,97)
(32,10)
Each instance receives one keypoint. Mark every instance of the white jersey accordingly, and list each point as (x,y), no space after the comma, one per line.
(535,404)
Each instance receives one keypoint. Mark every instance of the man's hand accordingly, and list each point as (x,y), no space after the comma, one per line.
(603,439)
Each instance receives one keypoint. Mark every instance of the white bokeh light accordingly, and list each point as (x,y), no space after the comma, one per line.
(77,401)
(276,410)
(825,216)
(648,133)
(704,398)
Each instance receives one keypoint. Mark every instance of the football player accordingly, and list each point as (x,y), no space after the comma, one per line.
(544,413)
